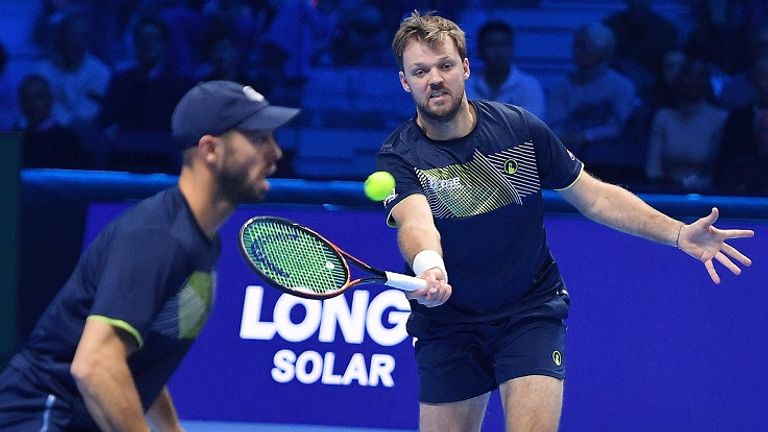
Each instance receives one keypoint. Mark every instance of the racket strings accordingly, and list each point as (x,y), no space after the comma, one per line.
(295,258)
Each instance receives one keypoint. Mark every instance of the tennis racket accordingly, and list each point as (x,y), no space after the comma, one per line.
(301,262)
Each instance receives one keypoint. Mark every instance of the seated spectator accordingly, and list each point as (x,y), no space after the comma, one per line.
(589,108)
(741,171)
(235,19)
(642,38)
(224,62)
(743,151)
(741,89)
(684,138)
(186,24)
(297,31)
(48,15)
(78,80)
(720,36)
(45,141)
(361,38)
(266,71)
(662,92)
(140,101)
(499,79)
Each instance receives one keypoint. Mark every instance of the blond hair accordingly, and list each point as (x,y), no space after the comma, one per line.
(432,29)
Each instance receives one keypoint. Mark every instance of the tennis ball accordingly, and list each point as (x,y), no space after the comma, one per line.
(379,185)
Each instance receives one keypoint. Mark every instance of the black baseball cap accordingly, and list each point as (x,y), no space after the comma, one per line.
(215,107)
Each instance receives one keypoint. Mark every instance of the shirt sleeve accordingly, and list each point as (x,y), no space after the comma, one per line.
(558,167)
(406,181)
(141,271)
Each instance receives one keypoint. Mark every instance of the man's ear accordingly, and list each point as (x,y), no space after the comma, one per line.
(403,82)
(207,148)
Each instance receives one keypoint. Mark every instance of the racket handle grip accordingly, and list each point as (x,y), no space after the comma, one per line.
(404,282)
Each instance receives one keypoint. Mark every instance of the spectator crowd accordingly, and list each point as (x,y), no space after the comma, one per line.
(646,101)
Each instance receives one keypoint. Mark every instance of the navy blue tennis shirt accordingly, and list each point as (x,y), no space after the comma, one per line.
(484,191)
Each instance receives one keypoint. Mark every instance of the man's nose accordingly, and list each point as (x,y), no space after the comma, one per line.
(435,79)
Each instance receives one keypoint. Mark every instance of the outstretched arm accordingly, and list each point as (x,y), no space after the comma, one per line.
(618,208)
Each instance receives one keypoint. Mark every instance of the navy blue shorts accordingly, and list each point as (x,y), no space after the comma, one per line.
(26,407)
(22,409)
(458,361)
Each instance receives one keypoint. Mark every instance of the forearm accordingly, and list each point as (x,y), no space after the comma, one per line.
(416,229)
(111,398)
(100,370)
(414,239)
(162,413)
(620,209)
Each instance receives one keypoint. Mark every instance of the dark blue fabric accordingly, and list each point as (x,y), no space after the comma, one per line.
(485,192)
(135,271)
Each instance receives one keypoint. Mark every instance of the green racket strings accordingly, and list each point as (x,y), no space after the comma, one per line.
(293,258)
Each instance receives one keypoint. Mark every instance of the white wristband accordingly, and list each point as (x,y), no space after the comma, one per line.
(428,259)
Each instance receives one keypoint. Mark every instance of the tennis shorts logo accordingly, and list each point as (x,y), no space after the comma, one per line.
(510,166)
(557,358)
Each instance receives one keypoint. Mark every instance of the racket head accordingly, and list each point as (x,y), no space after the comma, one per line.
(293,258)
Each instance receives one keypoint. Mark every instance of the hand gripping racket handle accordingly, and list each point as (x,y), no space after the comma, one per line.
(404,282)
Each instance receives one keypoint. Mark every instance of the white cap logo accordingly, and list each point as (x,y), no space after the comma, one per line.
(252,94)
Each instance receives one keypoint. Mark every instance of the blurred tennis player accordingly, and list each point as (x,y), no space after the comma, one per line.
(100,356)
(468,204)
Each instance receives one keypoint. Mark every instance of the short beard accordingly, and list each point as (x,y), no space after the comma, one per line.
(236,188)
(445,117)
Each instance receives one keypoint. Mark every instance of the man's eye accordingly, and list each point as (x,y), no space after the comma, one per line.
(258,138)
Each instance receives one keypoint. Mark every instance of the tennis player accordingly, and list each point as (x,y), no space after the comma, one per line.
(100,356)
(468,208)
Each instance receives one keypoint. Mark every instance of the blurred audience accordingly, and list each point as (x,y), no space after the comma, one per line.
(45,141)
(224,62)
(589,108)
(741,89)
(720,36)
(498,78)
(78,79)
(186,24)
(743,152)
(361,37)
(642,38)
(139,103)
(684,138)
(624,95)
(662,92)
(142,97)
(49,15)
(233,19)
(741,170)
(297,33)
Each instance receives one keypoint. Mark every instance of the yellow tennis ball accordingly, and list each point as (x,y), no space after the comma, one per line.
(379,185)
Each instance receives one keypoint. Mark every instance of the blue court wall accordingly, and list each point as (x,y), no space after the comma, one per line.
(652,343)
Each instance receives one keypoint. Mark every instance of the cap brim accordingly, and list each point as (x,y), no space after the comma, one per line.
(268,118)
